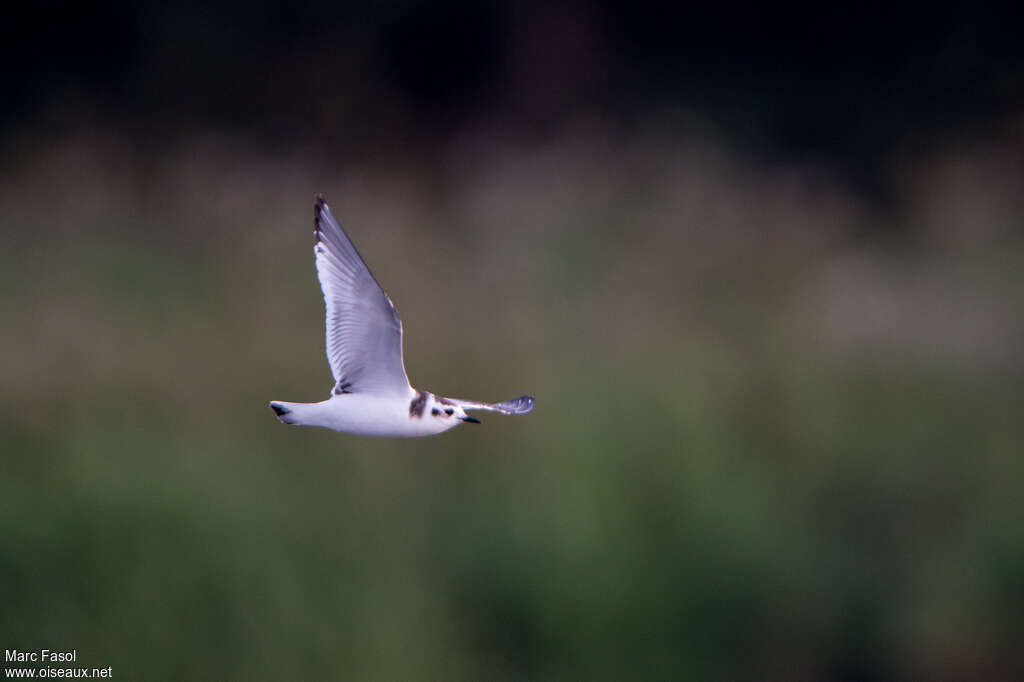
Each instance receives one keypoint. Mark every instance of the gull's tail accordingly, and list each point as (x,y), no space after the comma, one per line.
(288,413)
(304,414)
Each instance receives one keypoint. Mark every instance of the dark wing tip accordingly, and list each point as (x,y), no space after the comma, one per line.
(319,205)
(521,405)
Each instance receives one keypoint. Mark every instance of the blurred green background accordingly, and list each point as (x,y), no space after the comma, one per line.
(769,300)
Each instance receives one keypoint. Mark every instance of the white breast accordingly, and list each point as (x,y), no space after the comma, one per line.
(367,415)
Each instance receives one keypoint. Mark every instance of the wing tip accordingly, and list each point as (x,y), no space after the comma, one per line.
(522,405)
(319,205)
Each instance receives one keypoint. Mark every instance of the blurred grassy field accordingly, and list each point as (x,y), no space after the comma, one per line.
(772,440)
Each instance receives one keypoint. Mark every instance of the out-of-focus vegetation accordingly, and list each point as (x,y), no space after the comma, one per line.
(772,440)
(763,270)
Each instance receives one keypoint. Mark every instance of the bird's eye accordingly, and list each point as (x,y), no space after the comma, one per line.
(448,411)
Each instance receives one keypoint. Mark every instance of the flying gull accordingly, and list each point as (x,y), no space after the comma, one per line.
(371,394)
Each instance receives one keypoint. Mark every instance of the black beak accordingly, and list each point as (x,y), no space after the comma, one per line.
(470,420)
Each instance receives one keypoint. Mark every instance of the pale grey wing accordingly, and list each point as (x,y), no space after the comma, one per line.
(364,334)
(521,405)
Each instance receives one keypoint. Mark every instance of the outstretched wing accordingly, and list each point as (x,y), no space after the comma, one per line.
(521,405)
(364,334)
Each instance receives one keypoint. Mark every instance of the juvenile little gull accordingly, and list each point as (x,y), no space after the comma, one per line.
(371,394)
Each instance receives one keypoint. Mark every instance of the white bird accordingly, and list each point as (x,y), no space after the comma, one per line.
(371,394)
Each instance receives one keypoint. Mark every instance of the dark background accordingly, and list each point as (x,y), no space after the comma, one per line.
(847,85)
(763,269)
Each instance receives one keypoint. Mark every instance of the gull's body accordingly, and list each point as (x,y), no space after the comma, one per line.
(371,395)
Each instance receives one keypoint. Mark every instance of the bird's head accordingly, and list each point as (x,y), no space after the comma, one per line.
(442,408)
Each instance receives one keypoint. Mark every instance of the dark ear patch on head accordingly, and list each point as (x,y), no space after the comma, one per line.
(434,411)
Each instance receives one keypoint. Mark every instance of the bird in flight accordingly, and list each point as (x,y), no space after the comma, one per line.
(371,394)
